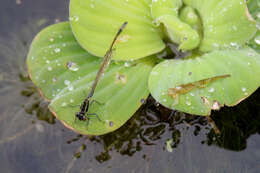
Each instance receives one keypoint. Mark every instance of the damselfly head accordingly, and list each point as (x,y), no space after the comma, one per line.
(81,116)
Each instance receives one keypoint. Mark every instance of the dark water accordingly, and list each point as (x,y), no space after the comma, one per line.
(31,140)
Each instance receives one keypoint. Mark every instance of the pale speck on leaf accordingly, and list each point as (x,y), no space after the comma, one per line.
(57,50)
(64,104)
(72,66)
(66,82)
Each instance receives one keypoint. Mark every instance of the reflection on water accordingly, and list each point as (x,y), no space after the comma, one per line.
(39,107)
(237,124)
(155,139)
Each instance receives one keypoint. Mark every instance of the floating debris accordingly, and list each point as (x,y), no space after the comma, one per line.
(39,127)
(169,145)
(18,2)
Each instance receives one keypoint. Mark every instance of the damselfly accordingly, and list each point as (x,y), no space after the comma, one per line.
(83,114)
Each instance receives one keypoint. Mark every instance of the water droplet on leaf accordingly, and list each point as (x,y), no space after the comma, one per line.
(72,66)
(243,89)
(215,105)
(57,50)
(64,104)
(71,88)
(257,40)
(54,79)
(123,38)
(211,90)
(188,103)
(49,68)
(66,82)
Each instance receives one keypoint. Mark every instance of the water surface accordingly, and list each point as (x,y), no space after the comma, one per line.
(31,140)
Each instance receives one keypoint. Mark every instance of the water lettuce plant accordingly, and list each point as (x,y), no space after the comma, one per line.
(219,37)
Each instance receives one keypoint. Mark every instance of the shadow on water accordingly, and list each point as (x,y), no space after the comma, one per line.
(155,139)
(237,124)
(149,124)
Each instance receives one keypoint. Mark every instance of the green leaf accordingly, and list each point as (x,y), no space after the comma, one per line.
(215,24)
(166,13)
(197,85)
(188,15)
(226,23)
(95,23)
(64,73)
(255,42)
(254,6)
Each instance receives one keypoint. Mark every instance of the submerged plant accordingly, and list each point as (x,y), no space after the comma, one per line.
(220,67)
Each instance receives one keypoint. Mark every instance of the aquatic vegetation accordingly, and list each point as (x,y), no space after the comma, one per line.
(222,65)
